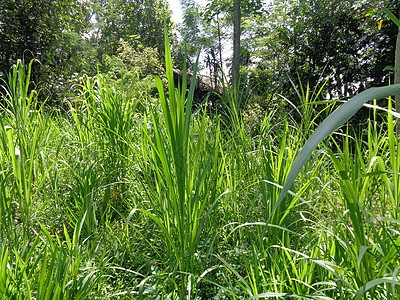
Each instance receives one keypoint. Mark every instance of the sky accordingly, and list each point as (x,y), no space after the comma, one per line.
(175,7)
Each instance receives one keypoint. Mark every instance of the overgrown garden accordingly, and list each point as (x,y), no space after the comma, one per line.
(125,185)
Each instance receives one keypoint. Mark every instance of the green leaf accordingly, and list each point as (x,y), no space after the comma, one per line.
(375,282)
(362,251)
(269,295)
(391,16)
(327,127)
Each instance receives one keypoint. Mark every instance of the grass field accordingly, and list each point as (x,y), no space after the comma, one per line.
(114,199)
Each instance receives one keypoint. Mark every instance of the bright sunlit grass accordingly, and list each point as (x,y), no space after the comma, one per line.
(111,201)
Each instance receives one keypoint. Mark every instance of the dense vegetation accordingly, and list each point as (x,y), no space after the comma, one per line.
(120,187)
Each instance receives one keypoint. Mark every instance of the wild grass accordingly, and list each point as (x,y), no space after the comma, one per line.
(111,201)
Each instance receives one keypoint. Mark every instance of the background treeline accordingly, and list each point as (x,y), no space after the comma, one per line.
(283,42)
(72,38)
(351,41)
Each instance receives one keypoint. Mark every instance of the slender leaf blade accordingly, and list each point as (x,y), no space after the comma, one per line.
(328,126)
(391,16)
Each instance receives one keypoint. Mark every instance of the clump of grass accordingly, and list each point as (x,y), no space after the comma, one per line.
(175,169)
(23,131)
(33,263)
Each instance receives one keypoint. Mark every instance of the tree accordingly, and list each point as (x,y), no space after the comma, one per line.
(45,30)
(237,15)
(317,39)
(233,11)
(215,19)
(139,22)
(193,33)
(203,30)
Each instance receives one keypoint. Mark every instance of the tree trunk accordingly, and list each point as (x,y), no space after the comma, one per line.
(397,78)
(220,45)
(236,46)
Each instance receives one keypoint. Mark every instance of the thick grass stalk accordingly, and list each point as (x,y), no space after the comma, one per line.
(6,211)
(394,145)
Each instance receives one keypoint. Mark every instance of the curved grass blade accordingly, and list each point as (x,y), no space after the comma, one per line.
(374,283)
(327,127)
(391,16)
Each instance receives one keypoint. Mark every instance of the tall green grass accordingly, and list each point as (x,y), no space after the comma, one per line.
(178,171)
(364,251)
(34,264)
(108,201)
(23,132)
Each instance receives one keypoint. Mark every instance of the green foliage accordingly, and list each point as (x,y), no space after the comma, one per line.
(128,78)
(105,119)
(131,21)
(22,140)
(33,263)
(248,7)
(336,39)
(67,43)
(133,70)
(43,30)
(40,270)
(330,124)
(145,60)
(207,28)
(117,200)
(176,167)
(196,35)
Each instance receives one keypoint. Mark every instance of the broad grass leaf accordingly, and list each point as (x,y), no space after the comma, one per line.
(391,16)
(327,127)
(374,283)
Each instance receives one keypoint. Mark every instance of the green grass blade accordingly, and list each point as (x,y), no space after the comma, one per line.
(374,283)
(391,16)
(327,127)
(269,295)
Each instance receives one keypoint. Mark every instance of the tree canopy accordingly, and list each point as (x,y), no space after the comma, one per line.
(141,22)
(314,40)
(350,41)
(44,30)
(73,37)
